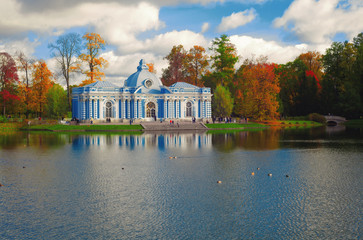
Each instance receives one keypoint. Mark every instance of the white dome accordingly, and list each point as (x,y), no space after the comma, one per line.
(140,77)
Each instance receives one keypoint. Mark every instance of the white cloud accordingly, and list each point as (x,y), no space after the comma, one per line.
(25,46)
(205,27)
(119,27)
(249,47)
(319,21)
(163,43)
(121,67)
(236,20)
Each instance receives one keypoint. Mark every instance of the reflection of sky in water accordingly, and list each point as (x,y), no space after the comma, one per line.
(128,187)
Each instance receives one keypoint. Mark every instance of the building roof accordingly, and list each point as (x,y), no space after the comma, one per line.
(183,85)
(102,84)
(138,78)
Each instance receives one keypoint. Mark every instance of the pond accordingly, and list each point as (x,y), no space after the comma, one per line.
(165,185)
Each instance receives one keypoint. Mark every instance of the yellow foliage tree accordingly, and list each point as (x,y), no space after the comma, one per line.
(94,43)
(42,81)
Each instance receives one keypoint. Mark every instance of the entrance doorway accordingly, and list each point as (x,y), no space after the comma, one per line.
(150,110)
(188,112)
(108,110)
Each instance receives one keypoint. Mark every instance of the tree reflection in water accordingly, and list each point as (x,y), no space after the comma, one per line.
(269,139)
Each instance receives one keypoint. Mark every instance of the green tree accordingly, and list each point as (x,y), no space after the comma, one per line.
(358,66)
(56,97)
(340,88)
(222,102)
(223,60)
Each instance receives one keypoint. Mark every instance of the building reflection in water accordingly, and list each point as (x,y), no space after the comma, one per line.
(147,140)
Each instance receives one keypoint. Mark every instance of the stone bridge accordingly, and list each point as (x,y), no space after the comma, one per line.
(334,120)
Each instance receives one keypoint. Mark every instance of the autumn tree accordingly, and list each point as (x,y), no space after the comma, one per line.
(258,91)
(196,65)
(223,60)
(176,71)
(65,50)
(300,89)
(312,61)
(8,79)
(222,102)
(56,96)
(42,81)
(94,44)
(151,67)
(25,65)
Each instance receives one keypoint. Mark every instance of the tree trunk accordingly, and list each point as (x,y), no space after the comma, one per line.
(68,95)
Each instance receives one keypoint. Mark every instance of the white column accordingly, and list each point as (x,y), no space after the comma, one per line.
(96,109)
(123,103)
(129,112)
(177,109)
(171,108)
(136,104)
(165,108)
(140,108)
(89,108)
(83,108)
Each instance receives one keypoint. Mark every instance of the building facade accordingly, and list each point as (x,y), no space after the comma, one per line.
(143,97)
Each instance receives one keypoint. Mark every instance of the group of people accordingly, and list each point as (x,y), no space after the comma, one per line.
(221,119)
(74,119)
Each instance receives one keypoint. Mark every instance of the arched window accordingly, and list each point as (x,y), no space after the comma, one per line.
(188,112)
(108,110)
(150,110)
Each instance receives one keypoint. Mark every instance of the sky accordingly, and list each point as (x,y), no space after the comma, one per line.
(134,29)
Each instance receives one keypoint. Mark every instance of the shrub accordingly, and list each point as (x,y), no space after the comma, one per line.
(317,118)
(3,119)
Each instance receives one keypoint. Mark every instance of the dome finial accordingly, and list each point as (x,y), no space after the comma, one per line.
(142,65)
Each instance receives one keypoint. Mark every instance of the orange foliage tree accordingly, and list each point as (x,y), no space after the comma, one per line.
(176,71)
(42,81)
(26,65)
(94,43)
(257,88)
(196,64)
(151,67)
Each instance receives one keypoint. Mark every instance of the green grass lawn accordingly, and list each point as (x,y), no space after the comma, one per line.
(300,122)
(234,125)
(354,123)
(60,127)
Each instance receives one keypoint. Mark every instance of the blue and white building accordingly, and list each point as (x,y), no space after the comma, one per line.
(143,97)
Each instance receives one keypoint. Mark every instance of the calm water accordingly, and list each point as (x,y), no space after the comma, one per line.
(70,186)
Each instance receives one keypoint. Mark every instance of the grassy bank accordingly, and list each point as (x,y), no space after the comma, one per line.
(289,123)
(61,127)
(234,125)
(9,128)
(354,123)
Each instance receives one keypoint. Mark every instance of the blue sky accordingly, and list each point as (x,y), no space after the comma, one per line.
(133,29)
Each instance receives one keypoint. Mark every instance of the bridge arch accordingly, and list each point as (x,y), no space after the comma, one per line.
(334,120)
